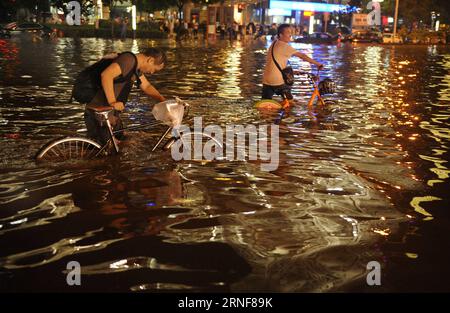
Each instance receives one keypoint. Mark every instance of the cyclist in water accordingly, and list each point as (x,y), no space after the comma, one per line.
(273,82)
(116,81)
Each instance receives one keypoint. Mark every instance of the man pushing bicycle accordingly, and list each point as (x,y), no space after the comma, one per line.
(107,84)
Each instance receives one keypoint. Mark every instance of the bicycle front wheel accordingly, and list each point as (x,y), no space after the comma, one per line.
(197,146)
(70,148)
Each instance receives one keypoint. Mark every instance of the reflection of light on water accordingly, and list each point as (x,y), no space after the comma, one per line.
(444,92)
(57,207)
(335,189)
(54,252)
(135,47)
(119,264)
(229,85)
(132,263)
(412,255)
(372,58)
(23,220)
(416,201)
(354,224)
(438,130)
(216,233)
(382,232)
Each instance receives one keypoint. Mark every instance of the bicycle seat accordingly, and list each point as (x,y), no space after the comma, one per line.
(100,109)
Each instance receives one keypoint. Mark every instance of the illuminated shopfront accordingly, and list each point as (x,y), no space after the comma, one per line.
(301,13)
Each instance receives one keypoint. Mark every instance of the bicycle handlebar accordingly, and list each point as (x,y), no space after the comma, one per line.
(306,73)
(310,75)
(302,73)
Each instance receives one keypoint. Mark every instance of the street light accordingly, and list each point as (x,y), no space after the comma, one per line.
(133,18)
(99,9)
(435,21)
(395,17)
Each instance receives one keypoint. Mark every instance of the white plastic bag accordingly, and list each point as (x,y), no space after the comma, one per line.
(170,112)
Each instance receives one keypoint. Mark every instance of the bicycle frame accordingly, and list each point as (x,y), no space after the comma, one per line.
(314,79)
(85,148)
(104,115)
(115,142)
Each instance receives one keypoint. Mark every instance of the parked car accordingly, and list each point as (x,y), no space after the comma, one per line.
(4,33)
(389,38)
(316,38)
(28,27)
(342,32)
(366,36)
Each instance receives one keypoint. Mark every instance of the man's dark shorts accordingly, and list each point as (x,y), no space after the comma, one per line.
(100,133)
(281,90)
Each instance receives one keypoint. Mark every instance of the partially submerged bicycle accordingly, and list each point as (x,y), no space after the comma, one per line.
(320,89)
(170,113)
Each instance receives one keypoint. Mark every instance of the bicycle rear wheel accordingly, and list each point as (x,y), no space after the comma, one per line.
(70,148)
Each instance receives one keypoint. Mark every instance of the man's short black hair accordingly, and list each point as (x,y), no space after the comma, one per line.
(281,28)
(158,55)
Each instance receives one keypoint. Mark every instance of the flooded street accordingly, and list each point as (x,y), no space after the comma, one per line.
(365,179)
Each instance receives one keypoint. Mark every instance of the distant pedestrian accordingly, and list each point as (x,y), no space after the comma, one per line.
(195,28)
(171,28)
(235,30)
(123,32)
(251,29)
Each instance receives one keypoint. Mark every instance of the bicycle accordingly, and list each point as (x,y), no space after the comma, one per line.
(82,148)
(320,88)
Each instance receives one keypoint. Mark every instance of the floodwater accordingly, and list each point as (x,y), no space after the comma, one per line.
(364,179)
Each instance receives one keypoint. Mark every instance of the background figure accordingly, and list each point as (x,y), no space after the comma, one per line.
(123,31)
(171,28)
(222,31)
(195,28)
(261,31)
(230,31)
(235,30)
(251,29)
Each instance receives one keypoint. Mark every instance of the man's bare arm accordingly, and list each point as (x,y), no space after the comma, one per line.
(150,90)
(307,59)
(107,77)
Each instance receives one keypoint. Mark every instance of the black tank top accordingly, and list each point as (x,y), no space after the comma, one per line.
(122,86)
